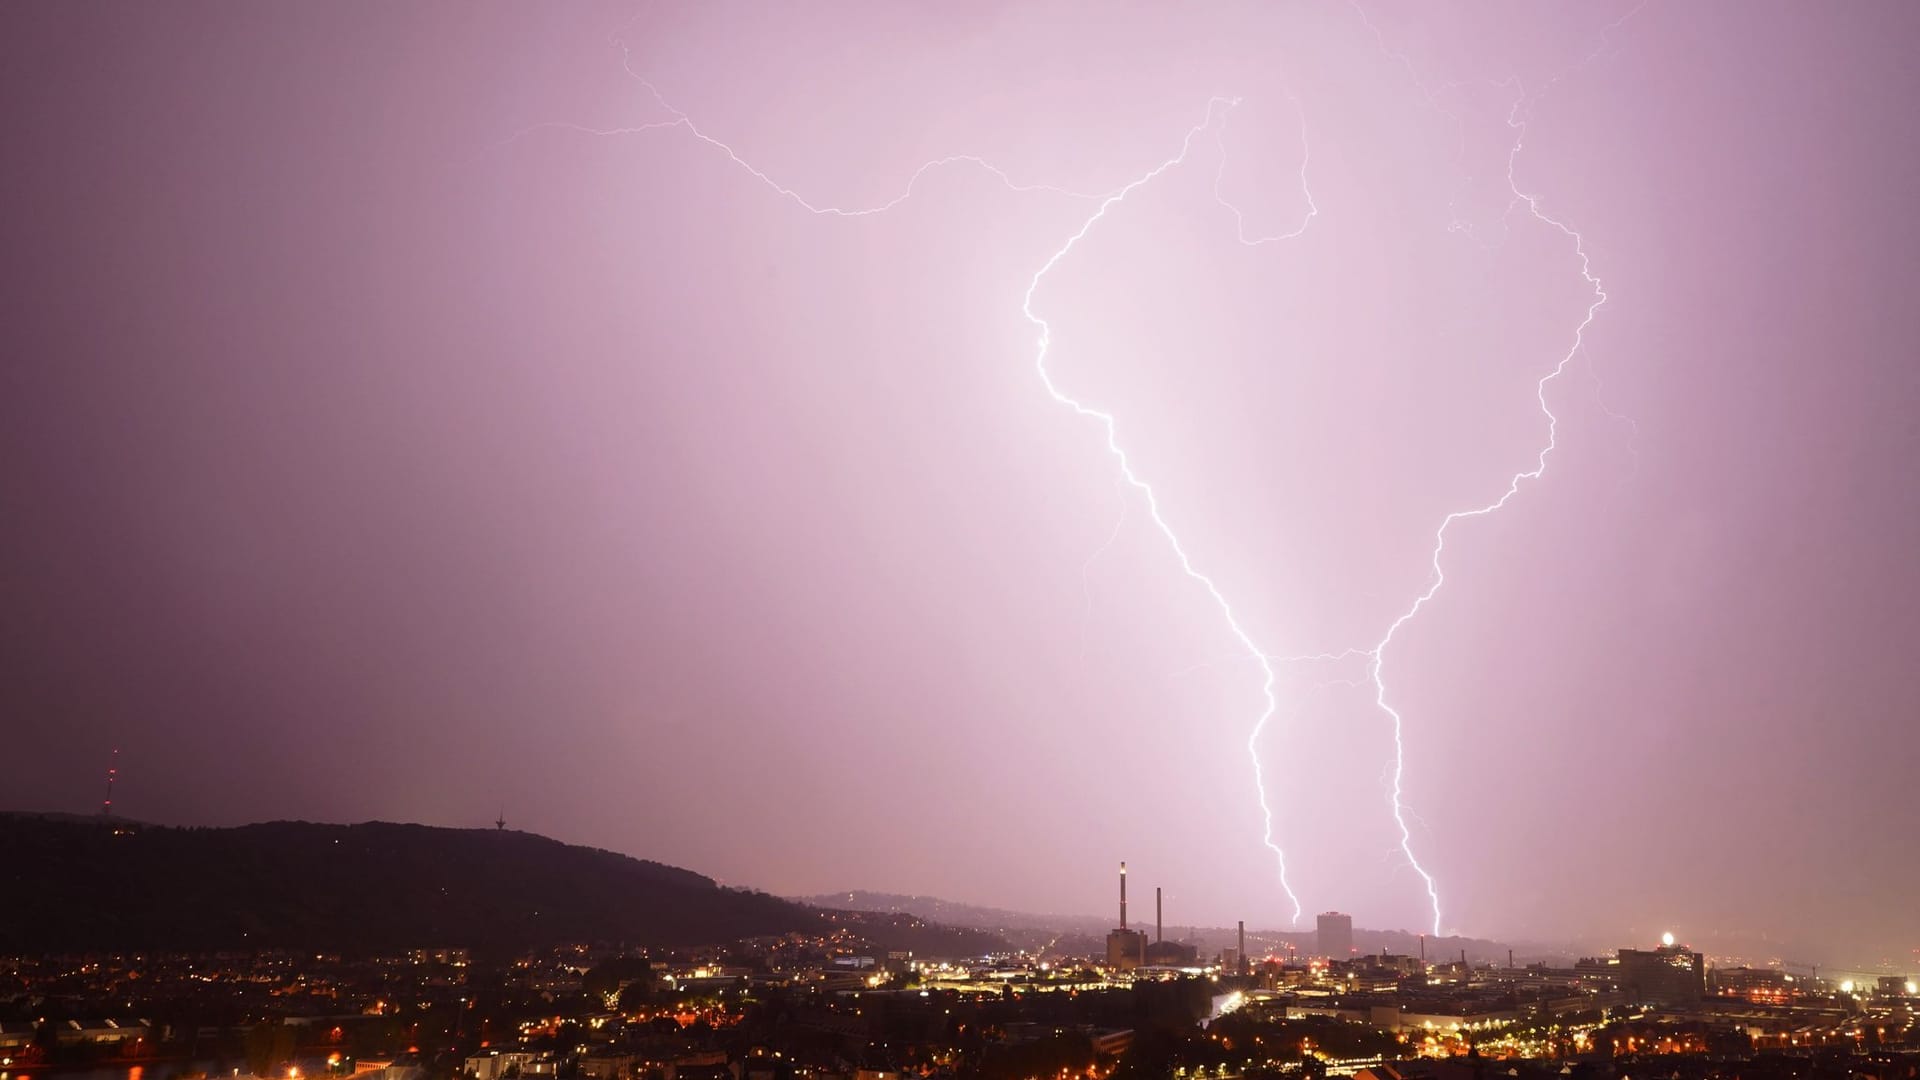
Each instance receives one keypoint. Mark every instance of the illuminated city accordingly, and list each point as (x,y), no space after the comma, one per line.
(999,540)
(843,1000)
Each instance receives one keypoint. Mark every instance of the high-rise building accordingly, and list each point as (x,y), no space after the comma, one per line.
(1336,935)
(1670,974)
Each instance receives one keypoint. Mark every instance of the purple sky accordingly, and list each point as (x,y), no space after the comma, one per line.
(378,442)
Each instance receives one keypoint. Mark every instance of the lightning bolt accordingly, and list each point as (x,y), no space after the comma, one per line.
(1111,428)
(680,119)
(1240,219)
(1438,578)
(1216,110)
(1105,203)
(1632,425)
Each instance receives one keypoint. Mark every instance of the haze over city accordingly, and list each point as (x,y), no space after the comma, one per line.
(438,412)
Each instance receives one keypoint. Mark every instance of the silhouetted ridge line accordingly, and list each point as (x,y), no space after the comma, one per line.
(112,886)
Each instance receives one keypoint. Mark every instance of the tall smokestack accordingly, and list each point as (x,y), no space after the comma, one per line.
(1123,894)
(1156,913)
(1243,946)
(1423,951)
(1509,958)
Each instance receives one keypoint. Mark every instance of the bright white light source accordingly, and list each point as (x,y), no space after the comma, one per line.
(1667,940)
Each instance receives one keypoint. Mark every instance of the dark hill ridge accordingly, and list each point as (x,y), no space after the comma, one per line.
(954,913)
(98,886)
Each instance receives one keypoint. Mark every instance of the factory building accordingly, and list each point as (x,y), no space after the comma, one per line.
(1164,953)
(1126,949)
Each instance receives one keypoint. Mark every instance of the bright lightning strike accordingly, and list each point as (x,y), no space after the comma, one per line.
(1111,427)
(1377,667)
(1106,203)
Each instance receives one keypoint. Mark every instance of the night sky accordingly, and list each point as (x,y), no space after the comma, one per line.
(405,414)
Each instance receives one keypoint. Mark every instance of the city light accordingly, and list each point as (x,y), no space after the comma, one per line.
(1667,939)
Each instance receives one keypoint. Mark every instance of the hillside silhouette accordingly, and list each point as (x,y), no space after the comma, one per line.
(99,885)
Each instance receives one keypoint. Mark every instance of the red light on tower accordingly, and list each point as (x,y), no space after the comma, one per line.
(113,762)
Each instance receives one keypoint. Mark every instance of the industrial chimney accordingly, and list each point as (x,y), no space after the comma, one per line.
(1156,913)
(1123,894)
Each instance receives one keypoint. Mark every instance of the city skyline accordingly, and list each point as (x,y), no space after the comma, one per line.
(936,451)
